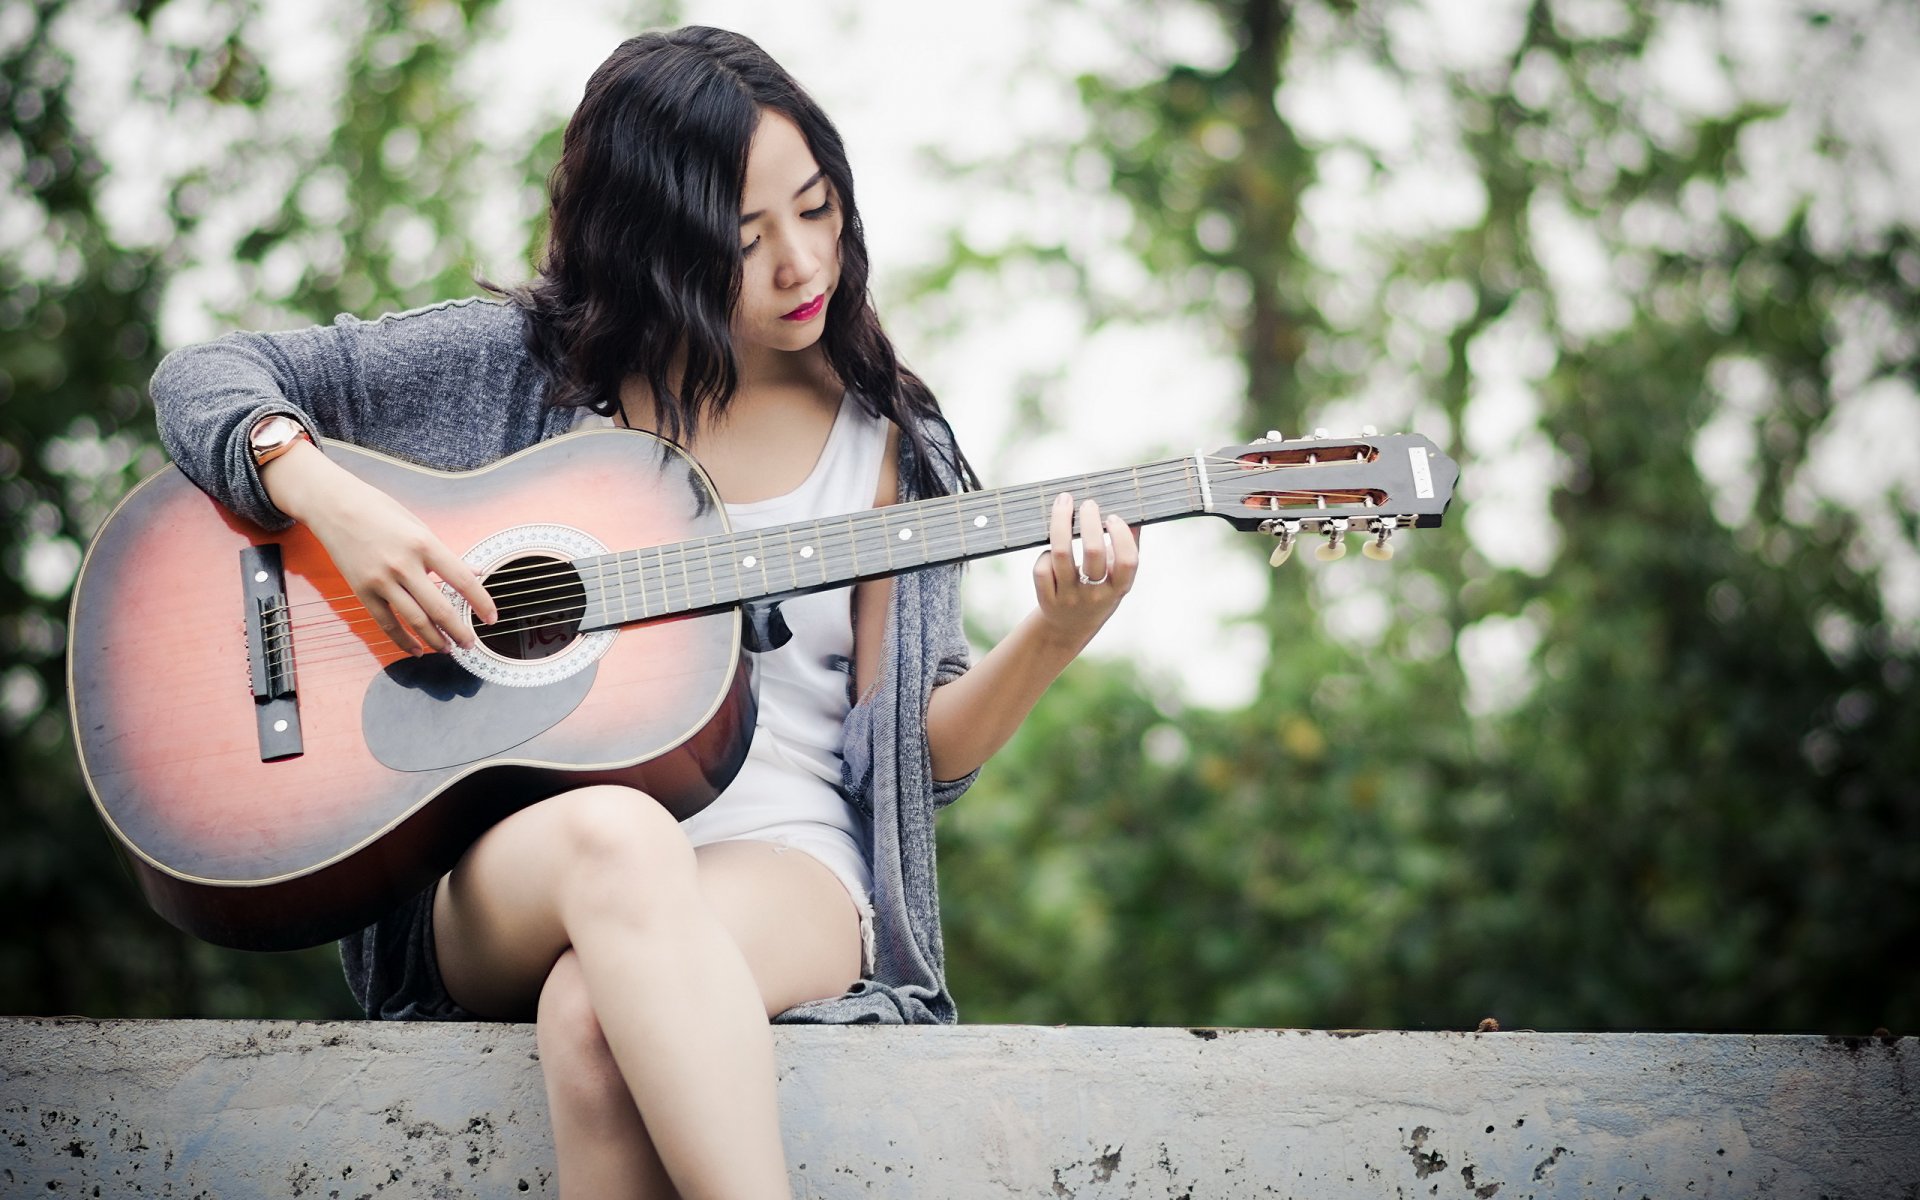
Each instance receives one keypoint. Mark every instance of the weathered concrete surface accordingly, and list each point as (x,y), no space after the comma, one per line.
(245,1109)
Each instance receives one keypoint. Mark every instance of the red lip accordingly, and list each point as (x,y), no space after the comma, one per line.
(809,310)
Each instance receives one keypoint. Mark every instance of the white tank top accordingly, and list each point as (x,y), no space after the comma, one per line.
(805,686)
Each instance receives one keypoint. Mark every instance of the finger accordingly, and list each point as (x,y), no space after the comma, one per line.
(1046,585)
(1126,552)
(383,616)
(410,615)
(435,602)
(1093,543)
(1060,537)
(443,617)
(455,571)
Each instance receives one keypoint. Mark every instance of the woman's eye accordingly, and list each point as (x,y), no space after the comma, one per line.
(814,214)
(748,248)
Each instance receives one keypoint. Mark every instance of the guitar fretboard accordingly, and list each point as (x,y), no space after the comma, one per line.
(705,573)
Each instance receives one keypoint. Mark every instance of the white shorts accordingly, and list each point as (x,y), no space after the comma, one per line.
(794,809)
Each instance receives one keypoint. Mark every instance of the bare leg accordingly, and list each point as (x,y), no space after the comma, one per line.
(598,1136)
(681,1008)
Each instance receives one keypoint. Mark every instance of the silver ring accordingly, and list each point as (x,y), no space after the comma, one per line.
(1095,582)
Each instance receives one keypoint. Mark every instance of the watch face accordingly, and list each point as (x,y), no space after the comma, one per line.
(274,431)
(272,436)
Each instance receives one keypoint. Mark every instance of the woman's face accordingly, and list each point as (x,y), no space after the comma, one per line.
(789,241)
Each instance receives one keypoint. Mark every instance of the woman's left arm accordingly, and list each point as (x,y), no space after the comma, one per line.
(972,716)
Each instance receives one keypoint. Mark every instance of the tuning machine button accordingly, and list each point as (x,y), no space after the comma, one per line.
(1284,534)
(1377,547)
(1336,547)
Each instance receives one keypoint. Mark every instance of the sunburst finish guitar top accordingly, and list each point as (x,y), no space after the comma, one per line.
(282,852)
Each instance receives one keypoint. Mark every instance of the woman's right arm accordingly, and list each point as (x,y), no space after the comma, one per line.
(381,549)
(207,400)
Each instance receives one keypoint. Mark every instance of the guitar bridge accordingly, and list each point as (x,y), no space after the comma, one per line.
(276,705)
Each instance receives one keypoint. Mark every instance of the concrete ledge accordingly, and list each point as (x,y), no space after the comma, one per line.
(348,1110)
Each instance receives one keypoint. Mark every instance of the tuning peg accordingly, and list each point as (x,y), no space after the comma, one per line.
(1284,533)
(1321,433)
(1377,548)
(1336,547)
(1369,431)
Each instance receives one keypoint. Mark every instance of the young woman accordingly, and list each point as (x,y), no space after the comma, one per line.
(705,279)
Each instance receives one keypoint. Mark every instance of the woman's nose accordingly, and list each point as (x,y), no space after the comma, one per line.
(798,264)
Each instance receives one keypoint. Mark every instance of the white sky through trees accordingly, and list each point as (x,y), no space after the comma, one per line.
(909,84)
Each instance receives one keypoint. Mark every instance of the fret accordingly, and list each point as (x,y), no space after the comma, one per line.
(686,572)
(715,593)
(753,559)
(619,581)
(960,522)
(817,542)
(619,573)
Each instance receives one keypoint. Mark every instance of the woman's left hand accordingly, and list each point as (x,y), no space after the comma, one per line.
(1075,601)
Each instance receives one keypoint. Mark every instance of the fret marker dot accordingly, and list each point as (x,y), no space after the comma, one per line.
(806,552)
(906,535)
(979,522)
(747,561)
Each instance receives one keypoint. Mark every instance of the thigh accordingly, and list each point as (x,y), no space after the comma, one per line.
(498,926)
(791,917)
(498,920)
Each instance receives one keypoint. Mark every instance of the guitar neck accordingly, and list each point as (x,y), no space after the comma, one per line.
(713,572)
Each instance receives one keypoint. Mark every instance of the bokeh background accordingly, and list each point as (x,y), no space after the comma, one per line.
(1631,742)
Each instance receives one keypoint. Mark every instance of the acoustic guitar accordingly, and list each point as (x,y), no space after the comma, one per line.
(278,774)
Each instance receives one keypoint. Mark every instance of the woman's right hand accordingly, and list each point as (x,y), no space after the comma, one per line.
(386,554)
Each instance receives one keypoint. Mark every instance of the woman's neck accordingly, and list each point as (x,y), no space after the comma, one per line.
(768,379)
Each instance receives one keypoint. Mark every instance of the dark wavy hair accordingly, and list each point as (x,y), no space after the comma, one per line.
(642,263)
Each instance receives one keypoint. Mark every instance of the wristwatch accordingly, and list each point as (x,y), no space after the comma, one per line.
(274,435)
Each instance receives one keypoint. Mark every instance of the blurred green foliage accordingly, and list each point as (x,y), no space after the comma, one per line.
(1702,814)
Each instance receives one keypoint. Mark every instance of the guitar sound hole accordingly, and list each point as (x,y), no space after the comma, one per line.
(541,602)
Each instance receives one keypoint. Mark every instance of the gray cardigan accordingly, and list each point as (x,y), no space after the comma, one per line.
(452,387)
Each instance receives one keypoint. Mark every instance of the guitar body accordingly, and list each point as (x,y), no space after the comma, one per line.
(401,763)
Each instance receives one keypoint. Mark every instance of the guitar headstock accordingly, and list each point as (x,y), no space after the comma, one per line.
(1373,484)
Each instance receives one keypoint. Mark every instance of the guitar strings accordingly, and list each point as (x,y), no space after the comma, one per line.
(829,534)
(837,537)
(348,631)
(1124,477)
(833,532)
(317,636)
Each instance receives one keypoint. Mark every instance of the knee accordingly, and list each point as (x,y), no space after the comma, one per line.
(623,846)
(581,1074)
